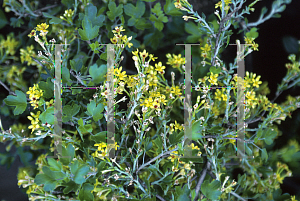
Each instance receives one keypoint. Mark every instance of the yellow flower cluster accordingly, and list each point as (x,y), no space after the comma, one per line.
(34,118)
(280,168)
(226,2)
(213,79)
(250,41)
(10,44)
(119,38)
(173,127)
(176,61)
(14,69)
(68,15)
(26,55)
(34,94)
(42,28)
(221,95)
(103,148)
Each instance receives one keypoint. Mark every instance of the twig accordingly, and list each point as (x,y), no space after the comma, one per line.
(38,12)
(46,69)
(163,155)
(236,195)
(10,91)
(159,197)
(201,179)
(77,77)
(222,29)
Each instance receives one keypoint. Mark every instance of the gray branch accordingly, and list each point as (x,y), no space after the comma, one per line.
(201,179)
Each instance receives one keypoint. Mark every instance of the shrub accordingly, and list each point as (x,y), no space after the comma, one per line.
(149,140)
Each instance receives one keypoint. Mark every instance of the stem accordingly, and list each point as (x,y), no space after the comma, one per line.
(200,181)
(159,156)
(236,195)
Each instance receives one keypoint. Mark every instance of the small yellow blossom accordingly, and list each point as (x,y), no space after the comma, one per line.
(42,27)
(213,79)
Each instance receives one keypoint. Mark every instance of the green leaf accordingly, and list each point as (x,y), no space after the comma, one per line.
(19,101)
(49,178)
(114,11)
(91,12)
(70,186)
(99,137)
(94,46)
(85,193)
(157,9)
(95,111)
(68,3)
(3,20)
(170,9)
(210,190)
(196,130)
(215,70)
(270,134)
(135,11)
(54,20)
(183,194)
(141,24)
(176,138)
(16,22)
(98,73)
(149,146)
(48,116)
(79,172)
(69,151)
(252,33)
(66,76)
(69,112)
(54,165)
(153,39)
(192,29)
(158,21)
(47,87)
(290,44)
(88,32)
(83,129)
(264,155)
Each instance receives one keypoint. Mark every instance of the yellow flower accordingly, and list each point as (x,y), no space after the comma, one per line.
(213,79)
(176,90)
(159,67)
(10,44)
(152,57)
(32,33)
(118,29)
(173,156)
(129,45)
(34,126)
(255,46)
(206,48)
(42,27)
(178,126)
(26,55)
(256,81)
(114,40)
(248,40)
(221,95)
(135,53)
(50,103)
(144,55)
(101,146)
(122,75)
(293,198)
(194,147)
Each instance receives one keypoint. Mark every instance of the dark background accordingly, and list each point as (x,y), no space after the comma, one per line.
(269,62)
